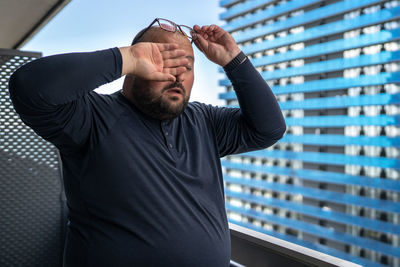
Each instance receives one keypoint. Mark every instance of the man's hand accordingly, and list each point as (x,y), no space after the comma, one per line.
(153,61)
(217,44)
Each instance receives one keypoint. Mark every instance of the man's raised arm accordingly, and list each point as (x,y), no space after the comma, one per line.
(51,94)
(259,122)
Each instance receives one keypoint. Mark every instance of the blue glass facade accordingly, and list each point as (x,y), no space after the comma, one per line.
(332,183)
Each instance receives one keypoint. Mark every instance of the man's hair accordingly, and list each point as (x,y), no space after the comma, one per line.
(138,37)
(148,36)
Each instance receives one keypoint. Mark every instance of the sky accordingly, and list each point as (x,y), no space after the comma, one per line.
(89,25)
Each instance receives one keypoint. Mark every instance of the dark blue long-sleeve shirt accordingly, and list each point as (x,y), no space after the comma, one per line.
(141,192)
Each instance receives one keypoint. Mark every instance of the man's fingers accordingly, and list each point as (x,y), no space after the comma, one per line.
(208,32)
(166,46)
(204,28)
(213,27)
(218,33)
(201,43)
(173,53)
(196,42)
(162,77)
(174,71)
(176,62)
(196,28)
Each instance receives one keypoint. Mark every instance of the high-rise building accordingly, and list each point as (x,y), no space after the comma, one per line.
(332,183)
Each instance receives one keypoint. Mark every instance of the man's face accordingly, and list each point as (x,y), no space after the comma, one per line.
(166,100)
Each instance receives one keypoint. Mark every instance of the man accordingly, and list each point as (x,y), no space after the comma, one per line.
(141,167)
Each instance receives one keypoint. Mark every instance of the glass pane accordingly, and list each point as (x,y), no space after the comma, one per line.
(166,25)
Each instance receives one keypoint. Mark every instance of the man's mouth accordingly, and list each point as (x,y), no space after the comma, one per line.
(175,90)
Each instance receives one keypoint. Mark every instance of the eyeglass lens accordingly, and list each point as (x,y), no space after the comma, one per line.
(187,30)
(170,26)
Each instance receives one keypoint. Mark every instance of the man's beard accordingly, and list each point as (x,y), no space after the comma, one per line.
(160,107)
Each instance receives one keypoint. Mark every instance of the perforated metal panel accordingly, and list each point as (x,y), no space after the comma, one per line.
(32,206)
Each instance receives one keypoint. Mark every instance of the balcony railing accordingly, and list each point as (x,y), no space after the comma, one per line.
(252,249)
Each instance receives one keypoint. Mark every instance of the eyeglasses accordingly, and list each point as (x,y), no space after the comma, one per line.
(169,26)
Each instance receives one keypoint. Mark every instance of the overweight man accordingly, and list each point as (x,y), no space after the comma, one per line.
(141,167)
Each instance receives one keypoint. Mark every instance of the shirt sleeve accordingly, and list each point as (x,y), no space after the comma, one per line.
(257,124)
(53,94)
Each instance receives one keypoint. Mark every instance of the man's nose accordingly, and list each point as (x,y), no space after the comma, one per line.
(180,77)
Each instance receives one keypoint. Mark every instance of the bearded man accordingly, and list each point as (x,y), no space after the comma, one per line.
(141,167)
